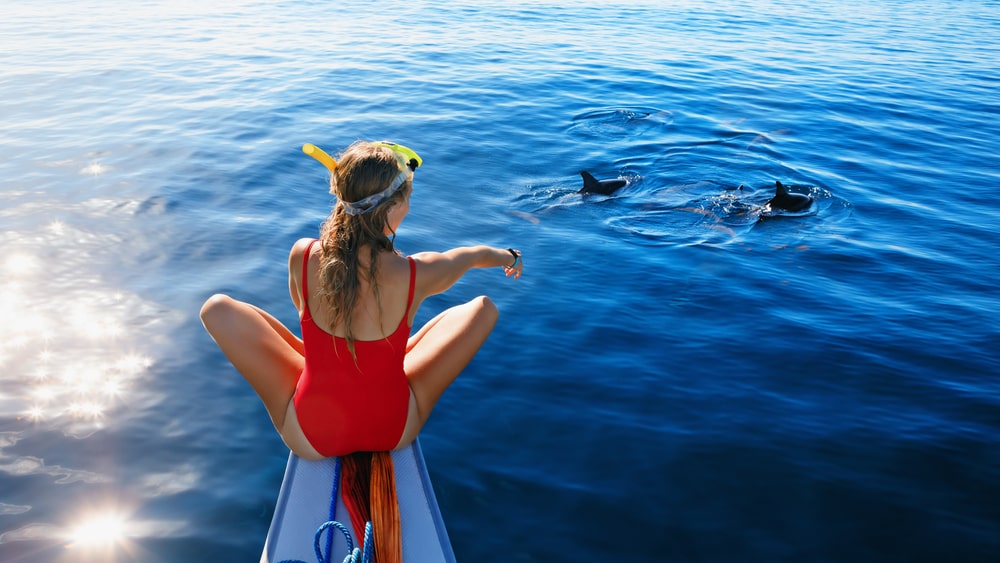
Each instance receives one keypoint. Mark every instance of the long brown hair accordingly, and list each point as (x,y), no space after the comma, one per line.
(364,169)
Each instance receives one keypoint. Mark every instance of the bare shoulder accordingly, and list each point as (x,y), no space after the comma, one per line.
(295,270)
(298,249)
(427,258)
(430,264)
(295,265)
(425,264)
(300,246)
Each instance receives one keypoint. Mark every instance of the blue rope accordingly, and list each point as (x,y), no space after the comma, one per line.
(319,532)
(354,554)
(333,503)
(369,543)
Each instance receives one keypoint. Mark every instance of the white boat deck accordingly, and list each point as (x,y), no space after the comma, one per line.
(304,504)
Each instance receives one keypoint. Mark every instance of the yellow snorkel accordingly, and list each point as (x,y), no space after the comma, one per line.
(410,156)
(407,159)
(317,153)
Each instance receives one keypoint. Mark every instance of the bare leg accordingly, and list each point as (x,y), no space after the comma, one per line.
(263,350)
(438,352)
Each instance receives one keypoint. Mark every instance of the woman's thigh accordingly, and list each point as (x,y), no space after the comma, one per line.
(443,348)
(258,347)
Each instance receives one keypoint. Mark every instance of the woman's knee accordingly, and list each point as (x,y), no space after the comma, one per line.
(215,309)
(486,308)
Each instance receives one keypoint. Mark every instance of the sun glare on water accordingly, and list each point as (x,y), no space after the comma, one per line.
(99,530)
(73,355)
(65,348)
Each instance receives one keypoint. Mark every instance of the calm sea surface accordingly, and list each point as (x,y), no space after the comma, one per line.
(680,375)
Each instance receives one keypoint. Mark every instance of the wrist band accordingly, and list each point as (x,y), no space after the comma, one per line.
(516,255)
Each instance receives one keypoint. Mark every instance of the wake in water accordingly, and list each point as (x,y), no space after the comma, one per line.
(654,208)
(705,213)
(621,122)
(698,213)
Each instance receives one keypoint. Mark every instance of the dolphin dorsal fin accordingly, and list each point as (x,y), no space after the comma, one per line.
(779,188)
(589,182)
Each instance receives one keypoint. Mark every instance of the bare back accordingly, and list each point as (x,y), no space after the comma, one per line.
(393,275)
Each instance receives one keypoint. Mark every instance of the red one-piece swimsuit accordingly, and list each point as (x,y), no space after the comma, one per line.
(347,406)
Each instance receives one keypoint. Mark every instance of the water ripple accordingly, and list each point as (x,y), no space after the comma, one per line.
(788,382)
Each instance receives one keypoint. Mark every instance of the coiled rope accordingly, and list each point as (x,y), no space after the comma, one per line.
(363,554)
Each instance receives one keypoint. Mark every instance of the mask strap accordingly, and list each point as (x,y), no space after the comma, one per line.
(365,205)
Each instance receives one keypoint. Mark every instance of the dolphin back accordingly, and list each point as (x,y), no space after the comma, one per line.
(592,185)
(787,201)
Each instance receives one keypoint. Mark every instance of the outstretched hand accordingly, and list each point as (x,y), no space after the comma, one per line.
(517,267)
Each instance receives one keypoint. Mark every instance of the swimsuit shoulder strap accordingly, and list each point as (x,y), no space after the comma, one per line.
(305,277)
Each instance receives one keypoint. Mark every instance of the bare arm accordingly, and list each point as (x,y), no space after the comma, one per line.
(440,270)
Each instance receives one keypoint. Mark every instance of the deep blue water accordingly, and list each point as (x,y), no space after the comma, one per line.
(679,375)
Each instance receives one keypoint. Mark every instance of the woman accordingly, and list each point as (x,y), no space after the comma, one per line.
(357,381)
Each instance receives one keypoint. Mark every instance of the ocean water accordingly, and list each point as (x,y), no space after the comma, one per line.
(680,375)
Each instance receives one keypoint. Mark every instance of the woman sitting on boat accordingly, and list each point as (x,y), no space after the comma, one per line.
(357,380)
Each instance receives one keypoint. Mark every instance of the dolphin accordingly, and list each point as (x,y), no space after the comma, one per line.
(787,201)
(592,185)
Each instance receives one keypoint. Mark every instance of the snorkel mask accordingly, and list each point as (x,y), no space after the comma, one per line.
(406,157)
